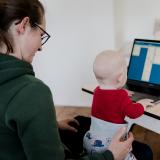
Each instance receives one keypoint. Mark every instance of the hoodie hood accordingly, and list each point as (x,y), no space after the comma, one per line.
(11,68)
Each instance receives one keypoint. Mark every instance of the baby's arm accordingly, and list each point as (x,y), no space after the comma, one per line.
(130,93)
(131,109)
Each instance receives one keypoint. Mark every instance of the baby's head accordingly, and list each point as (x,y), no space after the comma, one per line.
(110,69)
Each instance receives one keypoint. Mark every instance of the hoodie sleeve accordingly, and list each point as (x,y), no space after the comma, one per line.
(31,114)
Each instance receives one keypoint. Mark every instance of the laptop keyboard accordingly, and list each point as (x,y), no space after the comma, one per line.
(137,96)
(156,101)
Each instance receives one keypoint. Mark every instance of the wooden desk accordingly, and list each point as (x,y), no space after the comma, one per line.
(150,119)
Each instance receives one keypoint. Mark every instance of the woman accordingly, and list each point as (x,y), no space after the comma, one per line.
(28,127)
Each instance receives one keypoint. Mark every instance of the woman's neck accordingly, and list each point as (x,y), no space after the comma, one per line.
(3,49)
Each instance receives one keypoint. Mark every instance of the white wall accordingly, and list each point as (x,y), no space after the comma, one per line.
(80,29)
(135,18)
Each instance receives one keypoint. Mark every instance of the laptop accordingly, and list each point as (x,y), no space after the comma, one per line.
(144,69)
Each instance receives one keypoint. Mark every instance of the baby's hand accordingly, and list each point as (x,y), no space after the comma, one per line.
(130,93)
(146,103)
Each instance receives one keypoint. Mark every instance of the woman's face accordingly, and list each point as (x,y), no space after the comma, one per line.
(28,41)
(33,42)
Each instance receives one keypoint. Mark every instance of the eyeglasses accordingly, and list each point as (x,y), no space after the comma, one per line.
(45,36)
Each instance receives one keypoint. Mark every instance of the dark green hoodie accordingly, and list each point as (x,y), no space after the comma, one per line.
(28,127)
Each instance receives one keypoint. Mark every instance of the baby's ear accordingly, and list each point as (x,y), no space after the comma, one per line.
(119,78)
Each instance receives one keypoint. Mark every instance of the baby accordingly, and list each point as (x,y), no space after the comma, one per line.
(111,103)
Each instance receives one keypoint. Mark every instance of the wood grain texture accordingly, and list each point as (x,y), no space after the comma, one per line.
(63,112)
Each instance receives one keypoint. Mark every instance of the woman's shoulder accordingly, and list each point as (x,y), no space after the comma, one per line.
(31,83)
(32,93)
(35,83)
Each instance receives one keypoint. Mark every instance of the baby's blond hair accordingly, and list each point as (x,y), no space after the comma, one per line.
(107,65)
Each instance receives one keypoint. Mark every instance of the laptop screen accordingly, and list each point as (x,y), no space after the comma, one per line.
(144,65)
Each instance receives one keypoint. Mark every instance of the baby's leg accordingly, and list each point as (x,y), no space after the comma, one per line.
(94,143)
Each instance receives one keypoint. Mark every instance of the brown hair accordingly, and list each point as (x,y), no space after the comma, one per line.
(11,10)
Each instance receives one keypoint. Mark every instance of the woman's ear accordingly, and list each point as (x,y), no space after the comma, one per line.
(21,27)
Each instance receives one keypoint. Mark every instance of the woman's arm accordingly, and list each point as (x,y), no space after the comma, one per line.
(36,125)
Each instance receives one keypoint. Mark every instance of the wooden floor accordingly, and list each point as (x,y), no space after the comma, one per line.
(141,134)
(70,112)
